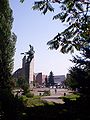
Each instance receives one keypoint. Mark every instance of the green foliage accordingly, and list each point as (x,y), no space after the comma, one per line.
(79,75)
(46,93)
(10,106)
(22,83)
(51,79)
(29,94)
(25,87)
(71,97)
(76,15)
(46,82)
(7,44)
(21,1)
(43,6)
(33,101)
(73,77)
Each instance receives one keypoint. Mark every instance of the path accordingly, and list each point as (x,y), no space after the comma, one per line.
(56,94)
(54,99)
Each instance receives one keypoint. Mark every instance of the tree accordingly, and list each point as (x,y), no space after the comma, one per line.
(83,64)
(7,44)
(7,49)
(74,77)
(51,79)
(22,83)
(76,15)
(46,81)
(79,75)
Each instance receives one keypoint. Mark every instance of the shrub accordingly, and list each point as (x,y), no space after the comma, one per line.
(29,95)
(70,97)
(46,93)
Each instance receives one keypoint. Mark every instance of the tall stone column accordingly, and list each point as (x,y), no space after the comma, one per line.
(31,73)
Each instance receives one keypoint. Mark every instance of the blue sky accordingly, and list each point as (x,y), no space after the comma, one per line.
(32,27)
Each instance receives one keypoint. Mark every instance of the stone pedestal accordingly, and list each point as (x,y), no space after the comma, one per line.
(31,73)
(28,66)
(28,72)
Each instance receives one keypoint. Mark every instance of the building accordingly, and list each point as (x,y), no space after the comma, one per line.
(40,79)
(59,79)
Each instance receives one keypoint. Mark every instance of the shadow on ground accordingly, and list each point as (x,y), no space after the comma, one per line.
(68,111)
(12,109)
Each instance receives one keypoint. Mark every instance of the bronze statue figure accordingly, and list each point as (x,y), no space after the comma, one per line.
(29,54)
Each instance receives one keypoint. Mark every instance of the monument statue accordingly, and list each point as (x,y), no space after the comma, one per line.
(28,65)
(30,54)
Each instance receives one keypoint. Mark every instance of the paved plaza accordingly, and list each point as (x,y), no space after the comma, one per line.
(54,94)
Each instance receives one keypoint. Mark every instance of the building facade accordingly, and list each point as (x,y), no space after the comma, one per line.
(59,79)
(39,79)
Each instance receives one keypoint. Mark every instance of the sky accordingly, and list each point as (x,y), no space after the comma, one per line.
(32,27)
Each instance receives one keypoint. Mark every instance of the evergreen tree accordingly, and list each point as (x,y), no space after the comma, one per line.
(51,79)
(7,49)
(46,81)
(79,75)
(83,71)
(7,44)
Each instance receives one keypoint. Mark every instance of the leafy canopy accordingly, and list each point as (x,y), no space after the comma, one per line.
(76,14)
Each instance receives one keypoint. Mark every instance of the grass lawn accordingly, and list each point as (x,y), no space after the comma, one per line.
(34,101)
(71,97)
(72,109)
